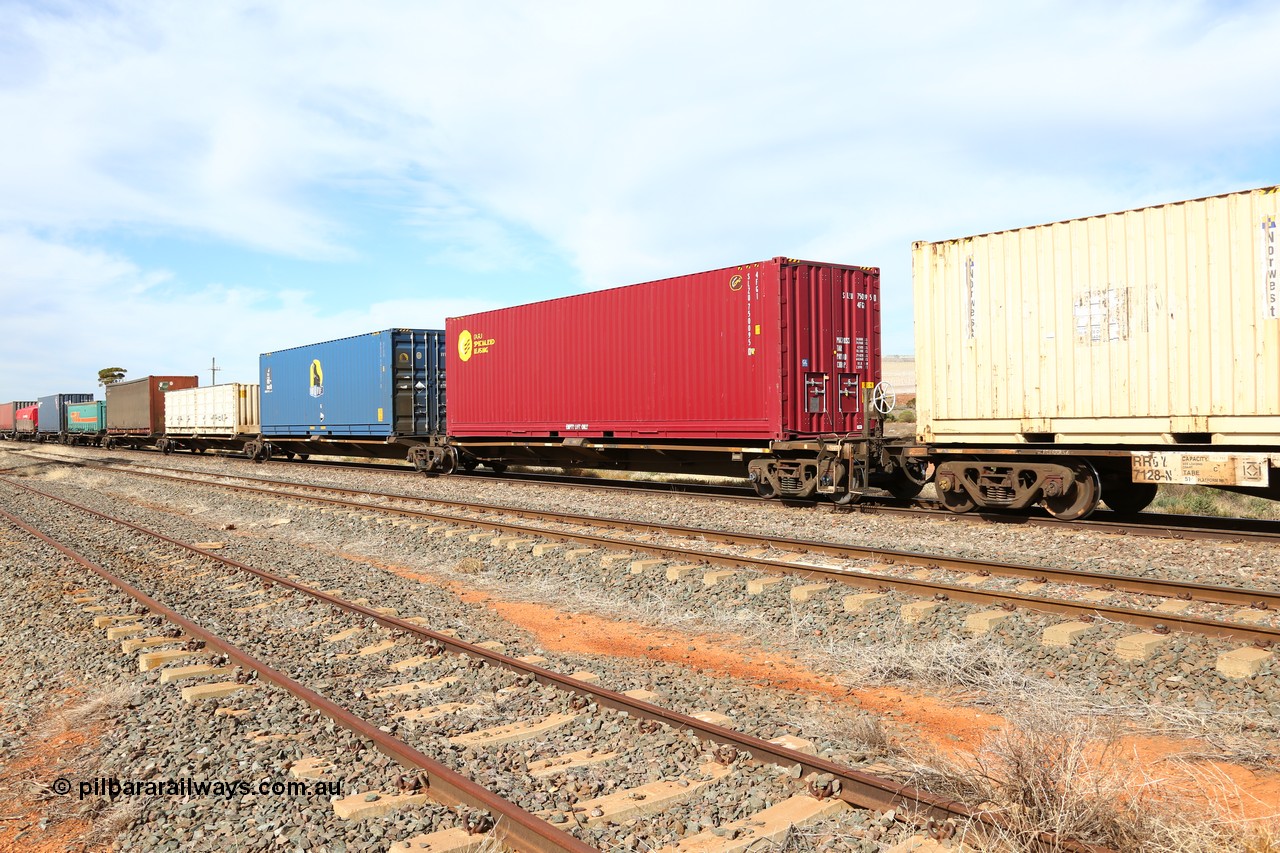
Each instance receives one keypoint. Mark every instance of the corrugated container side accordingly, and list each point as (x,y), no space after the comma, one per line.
(53,410)
(8,411)
(1146,326)
(136,407)
(27,419)
(756,351)
(87,417)
(375,385)
(226,410)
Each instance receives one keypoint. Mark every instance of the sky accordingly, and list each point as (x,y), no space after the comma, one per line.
(188,181)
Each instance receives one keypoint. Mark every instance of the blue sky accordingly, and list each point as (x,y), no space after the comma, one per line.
(186,180)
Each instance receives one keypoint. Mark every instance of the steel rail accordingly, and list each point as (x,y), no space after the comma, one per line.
(519,828)
(1152,525)
(1185,590)
(862,790)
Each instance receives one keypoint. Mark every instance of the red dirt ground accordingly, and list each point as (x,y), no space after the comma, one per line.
(1230,790)
(23,803)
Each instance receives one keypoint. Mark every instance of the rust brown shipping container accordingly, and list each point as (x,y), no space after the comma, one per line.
(136,407)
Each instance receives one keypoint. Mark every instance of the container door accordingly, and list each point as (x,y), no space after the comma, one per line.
(815,397)
(807,335)
(419,382)
(850,391)
(856,345)
(407,384)
(831,335)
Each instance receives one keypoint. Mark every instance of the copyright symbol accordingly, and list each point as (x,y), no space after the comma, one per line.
(62,785)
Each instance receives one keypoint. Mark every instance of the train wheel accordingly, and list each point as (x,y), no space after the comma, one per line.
(907,481)
(764,488)
(1080,499)
(952,493)
(956,501)
(1129,498)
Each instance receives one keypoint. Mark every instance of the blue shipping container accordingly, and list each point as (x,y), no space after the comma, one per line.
(382,384)
(53,410)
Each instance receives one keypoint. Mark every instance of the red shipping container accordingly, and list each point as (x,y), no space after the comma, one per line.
(8,411)
(774,350)
(26,419)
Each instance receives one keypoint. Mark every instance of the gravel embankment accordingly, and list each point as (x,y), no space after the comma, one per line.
(872,644)
(1253,565)
(287,636)
(75,707)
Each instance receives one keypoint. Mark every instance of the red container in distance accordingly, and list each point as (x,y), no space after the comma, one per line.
(769,351)
(8,412)
(26,420)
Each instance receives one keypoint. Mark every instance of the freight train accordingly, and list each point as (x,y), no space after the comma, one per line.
(1060,365)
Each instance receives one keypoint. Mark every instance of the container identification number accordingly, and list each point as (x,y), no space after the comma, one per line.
(1200,469)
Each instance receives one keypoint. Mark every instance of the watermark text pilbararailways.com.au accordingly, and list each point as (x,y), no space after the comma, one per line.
(111,787)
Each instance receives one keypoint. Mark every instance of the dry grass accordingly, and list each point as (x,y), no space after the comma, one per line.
(846,729)
(1241,737)
(1071,775)
(97,708)
(963,663)
(1201,500)
(114,820)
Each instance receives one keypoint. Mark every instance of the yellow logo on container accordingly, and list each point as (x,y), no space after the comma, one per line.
(317,378)
(470,344)
(735,283)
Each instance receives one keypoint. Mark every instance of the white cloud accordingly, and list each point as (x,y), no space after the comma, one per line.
(635,140)
(70,312)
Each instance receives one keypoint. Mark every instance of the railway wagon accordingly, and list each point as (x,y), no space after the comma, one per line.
(378,395)
(8,416)
(25,422)
(52,423)
(135,409)
(213,416)
(86,422)
(1098,357)
(764,369)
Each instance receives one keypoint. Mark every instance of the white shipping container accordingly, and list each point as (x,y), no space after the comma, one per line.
(1159,325)
(214,410)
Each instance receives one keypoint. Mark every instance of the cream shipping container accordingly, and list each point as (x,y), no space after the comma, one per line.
(214,412)
(1126,350)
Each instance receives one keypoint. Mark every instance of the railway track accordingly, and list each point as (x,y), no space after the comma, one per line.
(1157,605)
(1152,524)
(277,605)
(1145,524)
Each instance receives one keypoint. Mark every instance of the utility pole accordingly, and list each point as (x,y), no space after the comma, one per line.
(213,370)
